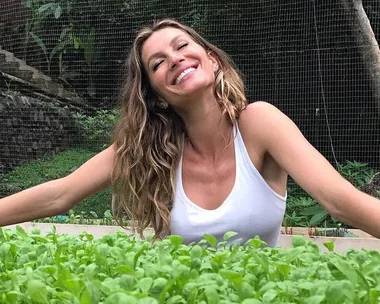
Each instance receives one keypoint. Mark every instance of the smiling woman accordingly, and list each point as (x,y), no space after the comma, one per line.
(191,157)
(183,79)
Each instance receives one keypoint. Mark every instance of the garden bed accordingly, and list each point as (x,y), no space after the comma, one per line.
(119,268)
(358,240)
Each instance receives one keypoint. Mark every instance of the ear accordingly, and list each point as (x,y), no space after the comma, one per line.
(214,61)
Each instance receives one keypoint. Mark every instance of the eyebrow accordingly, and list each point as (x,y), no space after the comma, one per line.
(159,54)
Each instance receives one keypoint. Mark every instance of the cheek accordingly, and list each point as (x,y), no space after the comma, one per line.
(158,89)
(156,81)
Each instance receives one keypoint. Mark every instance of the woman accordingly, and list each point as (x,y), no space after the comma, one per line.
(191,157)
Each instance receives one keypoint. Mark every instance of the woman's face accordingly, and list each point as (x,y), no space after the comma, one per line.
(178,68)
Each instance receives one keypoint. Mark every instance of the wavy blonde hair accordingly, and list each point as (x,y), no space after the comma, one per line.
(149,138)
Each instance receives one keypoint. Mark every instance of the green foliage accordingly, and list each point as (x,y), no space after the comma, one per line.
(303,211)
(53,167)
(306,212)
(72,37)
(120,268)
(48,168)
(82,218)
(357,173)
(75,37)
(97,129)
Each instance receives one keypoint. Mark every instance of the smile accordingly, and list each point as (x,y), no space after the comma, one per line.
(183,74)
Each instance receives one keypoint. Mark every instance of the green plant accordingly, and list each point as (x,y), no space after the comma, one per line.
(47,168)
(98,203)
(121,268)
(81,218)
(97,129)
(356,173)
(306,212)
(53,167)
(303,211)
(41,10)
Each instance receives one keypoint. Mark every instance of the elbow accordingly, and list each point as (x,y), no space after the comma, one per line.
(345,207)
(59,207)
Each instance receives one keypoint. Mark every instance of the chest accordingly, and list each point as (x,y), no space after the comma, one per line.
(208,184)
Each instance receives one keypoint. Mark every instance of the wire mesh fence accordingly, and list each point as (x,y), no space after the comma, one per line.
(61,65)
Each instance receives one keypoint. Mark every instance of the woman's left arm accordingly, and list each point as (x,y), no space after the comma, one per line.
(289,148)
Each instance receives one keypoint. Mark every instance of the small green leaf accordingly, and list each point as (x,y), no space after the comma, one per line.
(16,297)
(148,300)
(77,42)
(347,269)
(245,291)
(37,291)
(228,235)
(251,301)
(176,240)
(298,240)
(269,295)
(57,12)
(177,299)
(120,298)
(211,295)
(314,299)
(329,245)
(236,278)
(211,239)
(90,271)
(318,217)
(158,285)
(255,242)
(373,296)
(145,284)
(196,252)
(164,256)
(4,234)
(283,269)
(338,292)
(45,7)
(21,232)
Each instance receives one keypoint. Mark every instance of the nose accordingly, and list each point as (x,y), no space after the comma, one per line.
(175,60)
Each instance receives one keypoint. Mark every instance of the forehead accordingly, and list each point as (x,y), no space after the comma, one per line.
(161,39)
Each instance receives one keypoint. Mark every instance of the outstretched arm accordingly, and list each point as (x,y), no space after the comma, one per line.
(60,195)
(286,144)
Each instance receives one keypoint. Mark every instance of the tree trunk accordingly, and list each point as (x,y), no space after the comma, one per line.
(368,46)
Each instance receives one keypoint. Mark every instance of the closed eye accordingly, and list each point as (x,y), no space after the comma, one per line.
(182,46)
(157,65)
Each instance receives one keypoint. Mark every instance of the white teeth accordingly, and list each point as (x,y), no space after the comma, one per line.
(183,74)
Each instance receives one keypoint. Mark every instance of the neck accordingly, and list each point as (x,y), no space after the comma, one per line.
(209,132)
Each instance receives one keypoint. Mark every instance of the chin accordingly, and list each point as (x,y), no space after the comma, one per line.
(197,85)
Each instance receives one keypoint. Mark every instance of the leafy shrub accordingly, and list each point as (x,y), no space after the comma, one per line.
(357,173)
(304,211)
(71,39)
(82,218)
(97,129)
(53,167)
(119,268)
(99,203)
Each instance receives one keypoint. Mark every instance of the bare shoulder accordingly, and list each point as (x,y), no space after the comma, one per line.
(260,111)
(258,119)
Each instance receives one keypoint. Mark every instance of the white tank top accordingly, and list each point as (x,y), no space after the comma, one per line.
(252,207)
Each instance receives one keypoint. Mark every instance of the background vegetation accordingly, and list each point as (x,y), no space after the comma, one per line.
(301,210)
(97,135)
(299,55)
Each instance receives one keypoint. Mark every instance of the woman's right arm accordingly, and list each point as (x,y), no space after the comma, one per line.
(60,195)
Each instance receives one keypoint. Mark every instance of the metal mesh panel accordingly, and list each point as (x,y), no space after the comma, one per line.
(302,56)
